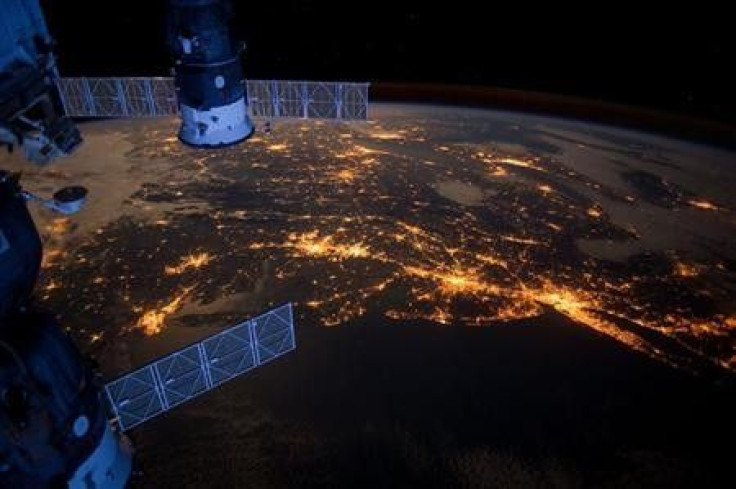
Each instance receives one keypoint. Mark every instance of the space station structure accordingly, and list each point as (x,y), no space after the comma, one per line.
(209,77)
(32,112)
(54,428)
(60,426)
(208,92)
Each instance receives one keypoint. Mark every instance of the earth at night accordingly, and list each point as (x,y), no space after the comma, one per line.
(483,299)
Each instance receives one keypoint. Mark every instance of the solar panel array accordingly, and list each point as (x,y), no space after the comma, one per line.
(118,97)
(176,378)
(156,97)
(308,100)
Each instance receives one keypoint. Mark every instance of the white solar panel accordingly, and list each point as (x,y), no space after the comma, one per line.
(230,353)
(174,379)
(274,334)
(156,97)
(308,100)
(135,397)
(118,97)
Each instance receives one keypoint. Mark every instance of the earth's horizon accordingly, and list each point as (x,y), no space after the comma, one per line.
(482,297)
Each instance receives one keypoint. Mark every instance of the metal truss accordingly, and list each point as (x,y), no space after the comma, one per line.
(176,378)
(156,97)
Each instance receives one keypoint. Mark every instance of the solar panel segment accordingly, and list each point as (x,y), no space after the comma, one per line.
(183,375)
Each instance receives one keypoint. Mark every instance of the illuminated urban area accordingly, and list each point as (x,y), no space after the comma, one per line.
(350,219)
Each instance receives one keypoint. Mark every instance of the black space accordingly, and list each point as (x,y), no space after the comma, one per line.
(678,58)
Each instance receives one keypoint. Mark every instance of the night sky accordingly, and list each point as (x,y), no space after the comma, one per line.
(679,58)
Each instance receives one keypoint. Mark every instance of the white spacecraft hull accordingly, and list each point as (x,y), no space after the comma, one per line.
(217,126)
(108,466)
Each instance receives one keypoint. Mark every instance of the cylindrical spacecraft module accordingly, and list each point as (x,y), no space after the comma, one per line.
(209,76)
